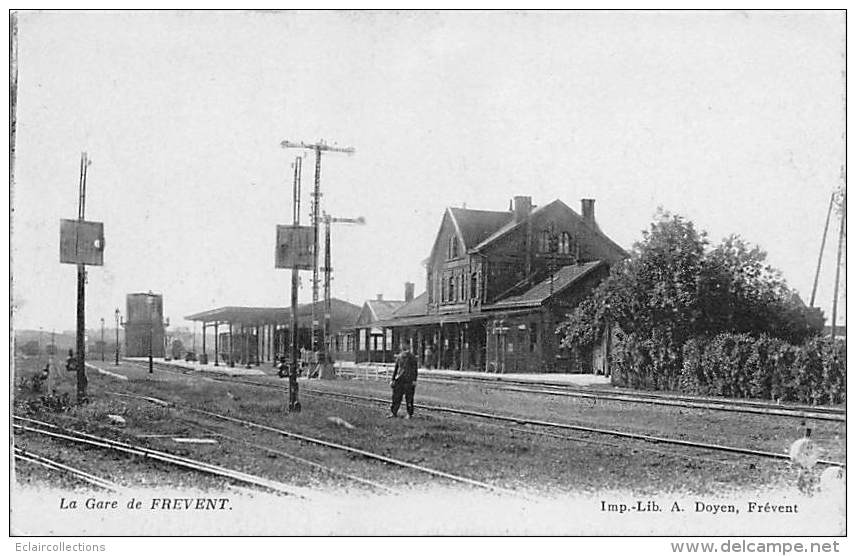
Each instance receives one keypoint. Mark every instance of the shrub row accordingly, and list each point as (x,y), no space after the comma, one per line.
(734,365)
(648,363)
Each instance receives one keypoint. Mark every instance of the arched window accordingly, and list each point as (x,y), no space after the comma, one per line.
(565,243)
(451,290)
(453,247)
(544,241)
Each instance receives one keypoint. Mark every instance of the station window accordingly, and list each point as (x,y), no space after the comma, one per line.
(544,241)
(533,336)
(565,243)
(451,289)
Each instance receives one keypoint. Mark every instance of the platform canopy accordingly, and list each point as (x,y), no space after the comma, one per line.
(344,314)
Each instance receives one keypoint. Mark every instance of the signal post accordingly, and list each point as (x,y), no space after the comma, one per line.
(295,250)
(81,243)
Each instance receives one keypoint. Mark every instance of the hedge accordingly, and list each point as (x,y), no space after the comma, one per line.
(736,366)
(652,363)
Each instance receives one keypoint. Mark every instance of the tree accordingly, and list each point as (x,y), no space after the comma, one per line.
(673,288)
(31,348)
(741,293)
(656,288)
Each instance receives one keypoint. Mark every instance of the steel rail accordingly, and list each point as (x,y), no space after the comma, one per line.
(822,415)
(28,456)
(359,451)
(819,413)
(337,446)
(633,396)
(289,456)
(568,426)
(536,422)
(180,461)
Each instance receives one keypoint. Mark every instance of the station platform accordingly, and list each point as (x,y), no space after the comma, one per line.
(378,370)
(237,370)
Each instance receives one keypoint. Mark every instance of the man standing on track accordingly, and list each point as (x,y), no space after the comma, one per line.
(403,381)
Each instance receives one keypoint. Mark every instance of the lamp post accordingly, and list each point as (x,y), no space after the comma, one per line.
(150,301)
(117,336)
(102,338)
(167,341)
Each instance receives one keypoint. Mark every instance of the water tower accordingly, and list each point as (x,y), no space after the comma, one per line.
(144,324)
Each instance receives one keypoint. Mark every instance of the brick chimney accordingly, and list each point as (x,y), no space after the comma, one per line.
(587,208)
(522,207)
(380,297)
(408,291)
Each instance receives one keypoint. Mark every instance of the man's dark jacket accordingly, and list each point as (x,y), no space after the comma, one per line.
(405,369)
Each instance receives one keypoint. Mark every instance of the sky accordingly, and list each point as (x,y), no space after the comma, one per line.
(734,120)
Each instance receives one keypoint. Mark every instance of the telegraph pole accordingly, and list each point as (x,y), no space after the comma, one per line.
(81,291)
(325,330)
(293,402)
(822,245)
(318,147)
(316,208)
(838,262)
(117,336)
(328,269)
(102,338)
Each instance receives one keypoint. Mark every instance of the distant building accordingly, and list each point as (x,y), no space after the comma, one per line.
(497,285)
(144,325)
(375,344)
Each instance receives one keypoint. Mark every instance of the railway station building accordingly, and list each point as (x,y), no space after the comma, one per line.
(258,335)
(497,285)
(374,344)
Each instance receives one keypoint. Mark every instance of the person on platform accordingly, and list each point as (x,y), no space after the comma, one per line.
(71,361)
(403,381)
(429,357)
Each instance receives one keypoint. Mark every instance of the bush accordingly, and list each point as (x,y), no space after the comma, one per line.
(692,379)
(652,363)
(819,372)
(742,366)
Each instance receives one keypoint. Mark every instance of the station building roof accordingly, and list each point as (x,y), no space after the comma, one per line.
(564,278)
(535,296)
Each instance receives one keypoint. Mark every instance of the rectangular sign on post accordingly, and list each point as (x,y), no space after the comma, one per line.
(294,245)
(81,242)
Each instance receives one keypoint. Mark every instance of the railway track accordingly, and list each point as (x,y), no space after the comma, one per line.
(710,447)
(42,461)
(822,413)
(326,443)
(580,428)
(33,426)
(757,407)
